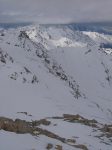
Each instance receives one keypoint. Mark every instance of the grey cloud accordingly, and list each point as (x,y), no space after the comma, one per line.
(55,11)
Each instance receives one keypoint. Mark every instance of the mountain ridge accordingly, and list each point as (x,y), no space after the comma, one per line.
(49,71)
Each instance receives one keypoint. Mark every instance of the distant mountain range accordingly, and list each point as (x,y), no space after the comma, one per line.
(100,27)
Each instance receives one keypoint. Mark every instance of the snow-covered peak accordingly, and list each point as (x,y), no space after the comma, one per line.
(98,37)
(62,78)
(56,36)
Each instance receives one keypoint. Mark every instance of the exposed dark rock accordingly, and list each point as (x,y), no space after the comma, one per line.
(14,76)
(50,134)
(107,131)
(42,121)
(71,141)
(17,126)
(59,147)
(26,113)
(49,146)
(23,34)
(27,70)
(80,146)
(4,57)
(34,79)
(22,127)
(88,51)
(2,34)
(79,119)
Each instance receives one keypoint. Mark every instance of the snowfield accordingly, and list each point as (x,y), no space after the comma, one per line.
(47,71)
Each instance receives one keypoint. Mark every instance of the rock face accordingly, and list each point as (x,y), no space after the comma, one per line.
(80,119)
(24,127)
(56,86)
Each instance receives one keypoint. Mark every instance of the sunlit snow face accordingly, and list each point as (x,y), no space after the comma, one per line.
(55,11)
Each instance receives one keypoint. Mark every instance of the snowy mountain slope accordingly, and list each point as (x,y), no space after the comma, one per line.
(49,71)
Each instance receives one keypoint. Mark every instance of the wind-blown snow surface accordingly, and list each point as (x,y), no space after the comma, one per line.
(48,71)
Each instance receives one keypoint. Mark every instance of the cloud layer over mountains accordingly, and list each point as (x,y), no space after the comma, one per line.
(55,11)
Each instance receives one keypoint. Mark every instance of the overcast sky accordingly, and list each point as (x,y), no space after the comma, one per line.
(55,11)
